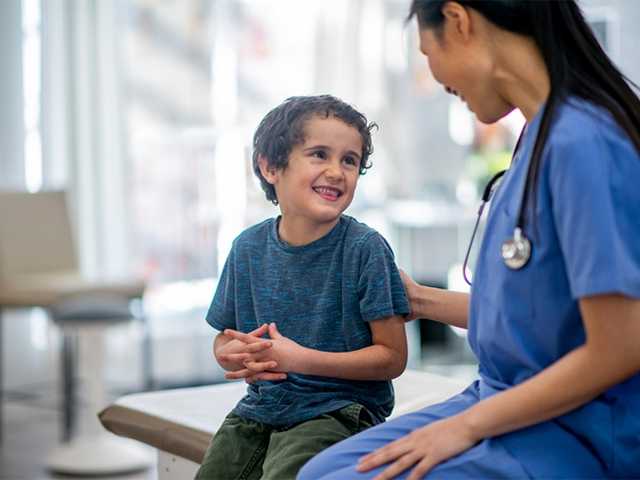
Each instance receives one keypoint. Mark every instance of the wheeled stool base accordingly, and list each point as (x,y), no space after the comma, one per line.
(99,455)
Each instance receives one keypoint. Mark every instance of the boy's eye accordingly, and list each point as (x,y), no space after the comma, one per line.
(319,154)
(350,161)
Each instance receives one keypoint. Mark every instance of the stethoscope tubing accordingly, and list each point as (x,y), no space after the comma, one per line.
(515,251)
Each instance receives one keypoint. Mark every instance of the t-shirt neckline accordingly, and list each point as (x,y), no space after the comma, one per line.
(327,239)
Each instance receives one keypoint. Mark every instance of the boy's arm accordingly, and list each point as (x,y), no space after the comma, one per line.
(384,360)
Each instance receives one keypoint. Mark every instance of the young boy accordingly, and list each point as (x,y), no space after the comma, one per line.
(325,289)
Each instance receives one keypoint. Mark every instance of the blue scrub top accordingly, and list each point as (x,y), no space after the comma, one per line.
(585,235)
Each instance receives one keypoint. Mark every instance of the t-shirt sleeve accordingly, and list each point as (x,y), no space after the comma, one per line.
(595,189)
(222,311)
(380,288)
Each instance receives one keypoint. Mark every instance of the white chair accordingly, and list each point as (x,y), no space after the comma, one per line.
(39,268)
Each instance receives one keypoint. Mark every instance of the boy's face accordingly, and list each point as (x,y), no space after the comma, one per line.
(320,179)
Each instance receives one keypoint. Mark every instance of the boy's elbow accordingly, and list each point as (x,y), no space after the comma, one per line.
(397,365)
(401,367)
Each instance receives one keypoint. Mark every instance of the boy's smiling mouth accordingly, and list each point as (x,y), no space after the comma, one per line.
(328,193)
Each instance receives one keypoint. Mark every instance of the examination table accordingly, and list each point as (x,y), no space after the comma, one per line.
(180,423)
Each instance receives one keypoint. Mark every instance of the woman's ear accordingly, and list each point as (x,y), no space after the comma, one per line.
(457,19)
(269,172)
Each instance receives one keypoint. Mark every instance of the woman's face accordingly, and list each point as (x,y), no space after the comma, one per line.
(464,65)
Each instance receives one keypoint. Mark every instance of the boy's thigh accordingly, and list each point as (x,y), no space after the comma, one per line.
(290,449)
(236,451)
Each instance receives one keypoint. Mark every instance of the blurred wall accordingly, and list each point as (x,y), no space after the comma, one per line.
(11,103)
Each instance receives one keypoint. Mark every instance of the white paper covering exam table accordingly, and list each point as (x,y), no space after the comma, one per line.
(180,423)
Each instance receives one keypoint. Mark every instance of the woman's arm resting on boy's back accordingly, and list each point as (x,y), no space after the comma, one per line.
(384,360)
(444,306)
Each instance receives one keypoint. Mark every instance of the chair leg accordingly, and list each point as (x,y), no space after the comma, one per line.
(2,360)
(69,388)
(147,355)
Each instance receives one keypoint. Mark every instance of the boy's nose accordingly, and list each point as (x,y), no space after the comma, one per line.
(334,171)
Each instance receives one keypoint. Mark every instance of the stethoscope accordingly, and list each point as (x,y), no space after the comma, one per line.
(515,251)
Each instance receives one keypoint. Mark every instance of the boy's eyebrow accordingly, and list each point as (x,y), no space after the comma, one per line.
(326,147)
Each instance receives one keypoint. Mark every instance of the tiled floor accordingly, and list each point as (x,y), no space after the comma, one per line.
(181,356)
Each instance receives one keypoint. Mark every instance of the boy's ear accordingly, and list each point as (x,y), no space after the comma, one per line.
(269,172)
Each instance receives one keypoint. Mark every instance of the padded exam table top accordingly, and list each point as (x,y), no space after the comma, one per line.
(182,421)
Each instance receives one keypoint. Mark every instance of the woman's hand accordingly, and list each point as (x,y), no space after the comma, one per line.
(410,287)
(422,449)
(445,306)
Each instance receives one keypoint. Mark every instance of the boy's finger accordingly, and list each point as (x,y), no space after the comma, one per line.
(251,376)
(261,330)
(238,374)
(260,366)
(246,351)
(243,337)
(268,376)
(274,332)
(258,347)
(234,357)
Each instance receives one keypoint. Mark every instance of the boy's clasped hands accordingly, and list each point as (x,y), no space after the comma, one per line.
(260,358)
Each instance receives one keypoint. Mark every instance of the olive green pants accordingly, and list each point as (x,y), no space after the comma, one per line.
(246,450)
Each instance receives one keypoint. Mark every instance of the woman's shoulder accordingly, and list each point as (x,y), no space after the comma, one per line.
(578,120)
(585,138)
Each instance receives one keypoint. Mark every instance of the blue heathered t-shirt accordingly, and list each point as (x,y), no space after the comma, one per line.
(322,296)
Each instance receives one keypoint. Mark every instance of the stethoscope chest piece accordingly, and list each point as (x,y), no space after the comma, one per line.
(516,251)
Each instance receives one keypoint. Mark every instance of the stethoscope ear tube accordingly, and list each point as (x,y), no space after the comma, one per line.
(486,195)
(515,251)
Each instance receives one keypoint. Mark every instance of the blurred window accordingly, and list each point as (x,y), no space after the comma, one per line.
(31,67)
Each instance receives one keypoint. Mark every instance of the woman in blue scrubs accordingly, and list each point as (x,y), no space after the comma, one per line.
(556,332)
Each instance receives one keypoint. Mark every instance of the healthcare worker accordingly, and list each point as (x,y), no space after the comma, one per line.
(554,311)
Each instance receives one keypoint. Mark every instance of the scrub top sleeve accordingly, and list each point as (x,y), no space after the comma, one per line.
(593,178)
(380,287)
(221,313)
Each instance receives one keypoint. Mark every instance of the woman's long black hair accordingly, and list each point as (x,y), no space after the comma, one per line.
(576,63)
